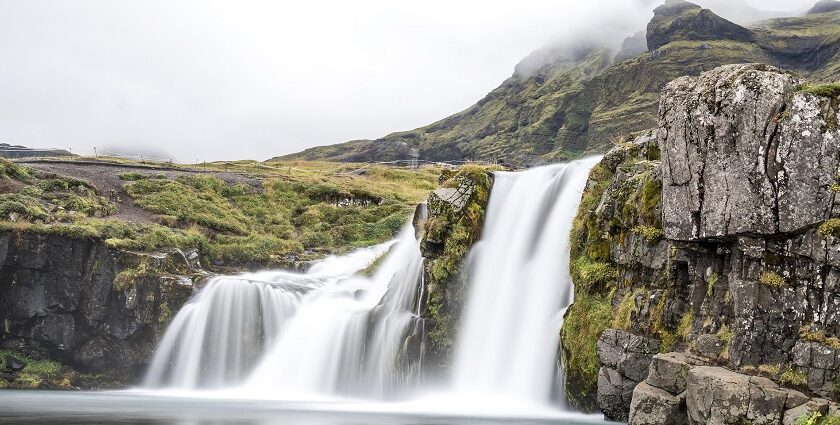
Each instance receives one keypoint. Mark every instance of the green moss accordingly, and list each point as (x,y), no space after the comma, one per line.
(127,278)
(725,335)
(819,336)
(684,327)
(824,90)
(710,284)
(10,170)
(625,309)
(794,378)
(36,371)
(589,275)
(830,227)
(650,233)
(584,323)
(772,279)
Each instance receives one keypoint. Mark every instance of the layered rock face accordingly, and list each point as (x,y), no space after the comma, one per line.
(86,305)
(734,274)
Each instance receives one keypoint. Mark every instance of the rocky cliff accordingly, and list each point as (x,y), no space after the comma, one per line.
(707,248)
(94,309)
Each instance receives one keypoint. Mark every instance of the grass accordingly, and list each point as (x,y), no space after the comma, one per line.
(649,233)
(819,336)
(291,211)
(585,321)
(793,378)
(35,372)
(823,90)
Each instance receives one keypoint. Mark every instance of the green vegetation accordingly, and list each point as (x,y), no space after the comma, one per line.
(830,227)
(794,378)
(819,336)
(772,279)
(449,235)
(824,90)
(817,418)
(303,212)
(34,374)
(710,284)
(725,335)
(650,233)
(585,321)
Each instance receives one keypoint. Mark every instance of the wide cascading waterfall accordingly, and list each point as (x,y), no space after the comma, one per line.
(519,285)
(330,331)
(326,331)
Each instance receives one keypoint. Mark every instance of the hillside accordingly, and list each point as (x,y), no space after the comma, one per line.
(585,98)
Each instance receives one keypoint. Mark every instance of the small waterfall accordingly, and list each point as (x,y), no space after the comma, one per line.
(326,331)
(520,285)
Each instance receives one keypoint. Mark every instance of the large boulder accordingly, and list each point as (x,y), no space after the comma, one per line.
(716,395)
(654,406)
(744,153)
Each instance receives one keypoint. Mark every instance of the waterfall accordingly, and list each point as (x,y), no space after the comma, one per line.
(306,333)
(331,331)
(519,286)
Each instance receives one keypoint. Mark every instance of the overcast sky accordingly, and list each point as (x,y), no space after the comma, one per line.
(210,80)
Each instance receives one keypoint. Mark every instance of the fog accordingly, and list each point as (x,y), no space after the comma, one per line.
(209,80)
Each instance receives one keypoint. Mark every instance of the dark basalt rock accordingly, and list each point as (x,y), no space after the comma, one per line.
(88,306)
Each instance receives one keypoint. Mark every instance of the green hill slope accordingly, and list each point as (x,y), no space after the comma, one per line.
(584,98)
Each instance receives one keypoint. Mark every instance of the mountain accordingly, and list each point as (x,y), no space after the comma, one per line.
(583,97)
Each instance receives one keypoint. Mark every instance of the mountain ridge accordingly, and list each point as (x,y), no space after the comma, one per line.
(587,95)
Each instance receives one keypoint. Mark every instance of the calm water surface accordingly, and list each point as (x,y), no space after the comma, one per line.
(57,407)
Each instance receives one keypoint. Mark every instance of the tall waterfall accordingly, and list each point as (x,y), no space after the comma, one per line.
(330,331)
(520,284)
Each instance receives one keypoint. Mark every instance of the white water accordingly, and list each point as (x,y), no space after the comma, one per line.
(295,332)
(326,332)
(520,285)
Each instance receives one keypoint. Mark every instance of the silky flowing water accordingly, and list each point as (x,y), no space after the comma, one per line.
(317,346)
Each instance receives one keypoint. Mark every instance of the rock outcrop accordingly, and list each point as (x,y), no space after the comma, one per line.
(449,227)
(732,264)
(94,308)
(625,359)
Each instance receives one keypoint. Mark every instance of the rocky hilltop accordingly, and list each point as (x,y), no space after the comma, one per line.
(584,95)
